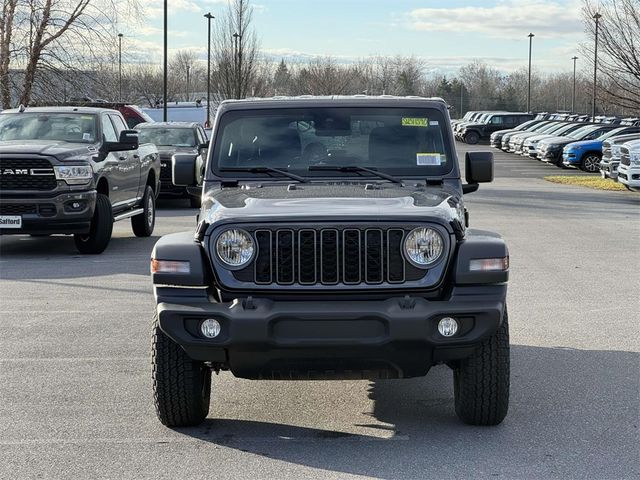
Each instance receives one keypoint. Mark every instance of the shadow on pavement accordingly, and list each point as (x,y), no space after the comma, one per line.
(573,413)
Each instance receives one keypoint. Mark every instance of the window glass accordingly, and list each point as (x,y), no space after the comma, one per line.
(118,123)
(108,131)
(400,141)
(168,136)
(64,127)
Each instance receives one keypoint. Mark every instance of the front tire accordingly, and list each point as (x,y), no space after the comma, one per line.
(99,235)
(143,224)
(471,138)
(481,382)
(590,163)
(181,386)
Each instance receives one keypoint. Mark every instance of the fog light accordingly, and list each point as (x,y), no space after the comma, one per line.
(210,328)
(447,327)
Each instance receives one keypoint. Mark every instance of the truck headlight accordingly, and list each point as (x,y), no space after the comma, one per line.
(423,247)
(235,248)
(74,174)
(635,158)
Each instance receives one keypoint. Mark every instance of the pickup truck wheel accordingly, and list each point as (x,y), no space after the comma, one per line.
(99,235)
(195,202)
(471,138)
(590,163)
(181,386)
(143,223)
(481,382)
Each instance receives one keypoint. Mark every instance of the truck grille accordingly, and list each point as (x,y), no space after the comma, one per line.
(17,209)
(39,174)
(625,157)
(165,169)
(606,150)
(329,256)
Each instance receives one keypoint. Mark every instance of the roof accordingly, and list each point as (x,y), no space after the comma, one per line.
(85,110)
(167,124)
(333,101)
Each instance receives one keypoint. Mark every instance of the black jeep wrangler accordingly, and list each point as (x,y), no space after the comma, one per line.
(332,243)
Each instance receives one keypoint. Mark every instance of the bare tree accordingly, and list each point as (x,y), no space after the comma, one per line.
(619,49)
(235,52)
(48,37)
(188,74)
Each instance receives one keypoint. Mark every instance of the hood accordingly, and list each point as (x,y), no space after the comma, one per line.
(59,150)
(316,201)
(168,150)
(585,144)
(557,140)
(524,135)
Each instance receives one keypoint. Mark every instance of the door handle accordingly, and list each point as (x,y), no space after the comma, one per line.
(122,158)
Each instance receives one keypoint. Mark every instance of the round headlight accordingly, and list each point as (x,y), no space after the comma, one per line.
(423,246)
(235,248)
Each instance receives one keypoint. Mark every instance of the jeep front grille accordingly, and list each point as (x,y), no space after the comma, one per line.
(26,174)
(308,256)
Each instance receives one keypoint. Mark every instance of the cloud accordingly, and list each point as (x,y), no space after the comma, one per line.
(507,19)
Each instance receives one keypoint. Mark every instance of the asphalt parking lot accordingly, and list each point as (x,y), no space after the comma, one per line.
(75,383)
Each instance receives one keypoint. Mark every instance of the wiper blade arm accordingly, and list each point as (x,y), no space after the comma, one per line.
(265,170)
(355,168)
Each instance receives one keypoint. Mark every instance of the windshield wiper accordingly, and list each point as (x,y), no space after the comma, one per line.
(265,170)
(355,168)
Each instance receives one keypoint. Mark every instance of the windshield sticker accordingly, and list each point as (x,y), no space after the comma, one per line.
(415,122)
(428,159)
(86,136)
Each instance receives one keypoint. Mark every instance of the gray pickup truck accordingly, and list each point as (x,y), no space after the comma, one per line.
(332,243)
(75,170)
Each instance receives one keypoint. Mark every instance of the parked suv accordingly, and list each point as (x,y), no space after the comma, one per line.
(332,243)
(472,133)
(586,155)
(75,170)
(177,137)
(550,149)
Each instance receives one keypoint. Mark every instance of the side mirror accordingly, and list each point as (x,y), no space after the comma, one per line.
(203,146)
(183,170)
(128,141)
(478,168)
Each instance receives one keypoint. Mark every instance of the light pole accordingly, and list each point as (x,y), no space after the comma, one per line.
(209,17)
(573,96)
(164,79)
(531,35)
(188,70)
(597,18)
(120,67)
(236,62)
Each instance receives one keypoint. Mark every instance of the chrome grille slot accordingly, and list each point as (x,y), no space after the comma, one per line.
(329,256)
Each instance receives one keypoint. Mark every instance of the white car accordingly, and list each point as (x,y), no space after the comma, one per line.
(611,154)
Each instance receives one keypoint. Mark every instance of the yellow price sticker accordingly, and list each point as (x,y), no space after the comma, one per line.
(415,122)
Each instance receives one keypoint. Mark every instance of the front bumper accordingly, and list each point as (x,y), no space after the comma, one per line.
(551,156)
(628,175)
(609,169)
(571,159)
(49,215)
(392,338)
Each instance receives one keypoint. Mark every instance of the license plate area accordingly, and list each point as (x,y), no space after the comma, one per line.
(10,221)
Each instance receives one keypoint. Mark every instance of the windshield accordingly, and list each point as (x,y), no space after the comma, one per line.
(60,127)
(551,127)
(392,140)
(524,125)
(581,132)
(615,132)
(168,137)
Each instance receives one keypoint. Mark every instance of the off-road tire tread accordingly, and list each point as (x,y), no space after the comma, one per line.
(139,223)
(101,230)
(178,383)
(481,382)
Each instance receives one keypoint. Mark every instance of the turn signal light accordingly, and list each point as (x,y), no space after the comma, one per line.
(489,264)
(169,266)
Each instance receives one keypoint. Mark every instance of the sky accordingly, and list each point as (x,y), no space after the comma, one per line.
(446,34)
